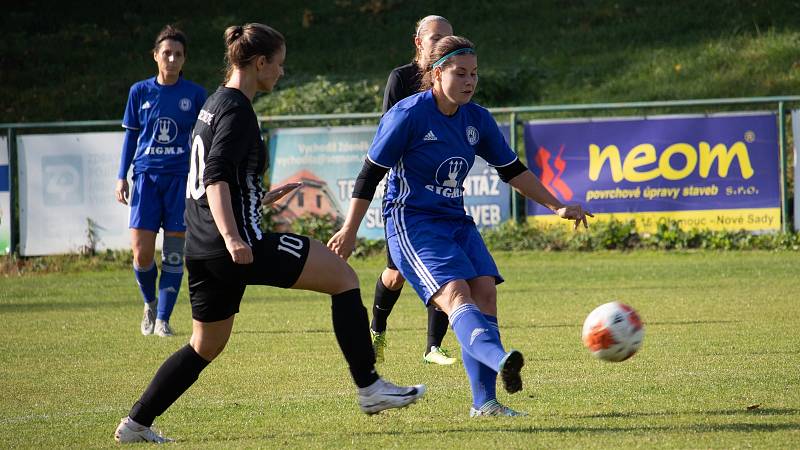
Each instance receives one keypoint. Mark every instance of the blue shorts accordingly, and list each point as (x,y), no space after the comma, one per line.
(158,201)
(436,252)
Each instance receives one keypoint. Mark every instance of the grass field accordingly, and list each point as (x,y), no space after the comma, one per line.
(722,334)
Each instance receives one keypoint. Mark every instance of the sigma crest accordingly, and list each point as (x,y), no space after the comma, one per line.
(472,135)
(166,130)
(449,177)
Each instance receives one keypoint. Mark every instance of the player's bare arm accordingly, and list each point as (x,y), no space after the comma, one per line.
(219,201)
(529,185)
(344,241)
(122,191)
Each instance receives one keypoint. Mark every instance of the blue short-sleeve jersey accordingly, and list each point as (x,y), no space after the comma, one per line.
(164,117)
(429,156)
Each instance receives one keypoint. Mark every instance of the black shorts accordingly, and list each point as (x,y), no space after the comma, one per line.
(389,262)
(216,285)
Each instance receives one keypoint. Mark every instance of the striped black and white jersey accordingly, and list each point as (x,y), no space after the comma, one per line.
(226,146)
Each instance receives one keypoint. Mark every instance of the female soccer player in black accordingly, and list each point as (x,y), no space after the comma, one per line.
(404,81)
(226,250)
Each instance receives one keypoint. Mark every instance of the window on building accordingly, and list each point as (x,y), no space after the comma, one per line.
(319,202)
(300,200)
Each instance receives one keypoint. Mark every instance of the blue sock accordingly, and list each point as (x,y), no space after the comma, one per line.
(476,336)
(147,281)
(168,286)
(482,379)
(482,389)
(171,275)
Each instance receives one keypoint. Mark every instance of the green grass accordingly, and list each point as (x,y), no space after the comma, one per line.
(76,61)
(721,334)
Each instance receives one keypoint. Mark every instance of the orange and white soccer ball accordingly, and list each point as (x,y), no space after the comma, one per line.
(613,332)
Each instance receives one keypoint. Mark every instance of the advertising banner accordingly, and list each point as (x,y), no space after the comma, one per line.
(327,161)
(716,172)
(66,193)
(5,199)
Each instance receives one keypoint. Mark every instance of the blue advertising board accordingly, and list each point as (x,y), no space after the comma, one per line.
(709,172)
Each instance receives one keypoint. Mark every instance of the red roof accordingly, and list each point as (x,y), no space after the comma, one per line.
(304,176)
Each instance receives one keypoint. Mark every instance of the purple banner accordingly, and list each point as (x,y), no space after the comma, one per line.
(719,172)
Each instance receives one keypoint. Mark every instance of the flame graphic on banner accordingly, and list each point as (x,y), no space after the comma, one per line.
(550,179)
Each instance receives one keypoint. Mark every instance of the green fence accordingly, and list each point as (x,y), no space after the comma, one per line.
(512,115)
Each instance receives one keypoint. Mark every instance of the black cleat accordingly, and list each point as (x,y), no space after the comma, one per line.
(510,368)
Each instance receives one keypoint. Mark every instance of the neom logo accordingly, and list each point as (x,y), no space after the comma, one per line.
(701,158)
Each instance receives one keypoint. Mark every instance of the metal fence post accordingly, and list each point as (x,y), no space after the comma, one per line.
(517,201)
(13,185)
(786,222)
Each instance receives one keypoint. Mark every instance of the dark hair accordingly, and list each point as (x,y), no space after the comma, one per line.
(422,24)
(446,45)
(172,33)
(243,44)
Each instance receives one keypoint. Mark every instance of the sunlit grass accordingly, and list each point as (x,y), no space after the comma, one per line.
(721,335)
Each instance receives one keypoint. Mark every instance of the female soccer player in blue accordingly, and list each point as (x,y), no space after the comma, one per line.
(403,82)
(428,142)
(159,117)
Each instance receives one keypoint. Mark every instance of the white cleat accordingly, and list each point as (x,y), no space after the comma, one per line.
(129,432)
(495,408)
(438,355)
(383,395)
(163,329)
(149,318)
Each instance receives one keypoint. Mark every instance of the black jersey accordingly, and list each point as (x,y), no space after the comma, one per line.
(226,146)
(404,81)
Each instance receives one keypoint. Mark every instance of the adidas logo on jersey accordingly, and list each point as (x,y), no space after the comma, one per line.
(146,105)
(430,136)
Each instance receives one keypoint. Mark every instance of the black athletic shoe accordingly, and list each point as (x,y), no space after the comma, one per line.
(510,368)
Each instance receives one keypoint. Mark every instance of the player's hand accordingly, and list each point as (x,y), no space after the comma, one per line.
(121,191)
(343,243)
(576,213)
(241,253)
(279,192)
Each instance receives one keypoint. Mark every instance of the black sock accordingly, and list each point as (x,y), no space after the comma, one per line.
(385,299)
(350,324)
(437,327)
(172,379)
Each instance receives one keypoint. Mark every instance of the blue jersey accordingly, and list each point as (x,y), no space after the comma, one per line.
(164,116)
(430,155)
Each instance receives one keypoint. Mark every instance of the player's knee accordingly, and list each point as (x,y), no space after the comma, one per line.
(488,305)
(484,293)
(143,263)
(392,279)
(208,349)
(172,253)
(142,257)
(451,296)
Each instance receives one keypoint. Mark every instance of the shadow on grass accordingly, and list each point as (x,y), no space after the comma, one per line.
(504,327)
(740,427)
(717,412)
(39,306)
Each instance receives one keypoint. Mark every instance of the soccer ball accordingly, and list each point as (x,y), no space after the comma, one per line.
(613,332)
